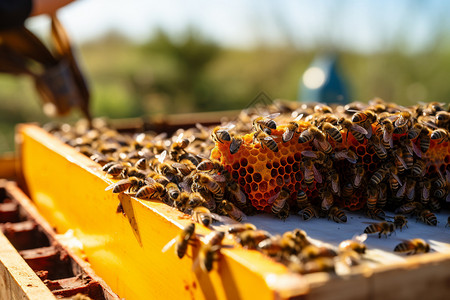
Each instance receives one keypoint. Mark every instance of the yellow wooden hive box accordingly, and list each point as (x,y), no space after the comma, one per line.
(125,250)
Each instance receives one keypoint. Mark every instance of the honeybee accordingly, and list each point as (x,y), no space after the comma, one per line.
(302,200)
(265,140)
(335,183)
(320,264)
(153,176)
(202,215)
(220,135)
(236,143)
(376,214)
(178,147)
(425,191)
(280,201)
(131,185)
(180,203)
(209,165)
(408,208)
(443,119)
(196,199)
(251,238)
(414,131)
(153,190)
(378,147)
(310,172)
(440,135)
(291,129)
(141,164)
(265,124)
(115,169)
(312,251)
(332,131)
(347,154)
(182,241)
(327,199)
(322,109)
(278,246)
(418,168)
(172,190)
(232,211)
(355,244)
(382,228)
(388,130)
(424,139)
(184,167)
(382,195)
(240,227)
(210,182)
(210,250)
(236,191)
(308,212)
(378,176)
(319,140)
(372,197)
(337,215)
(403,120)
(412,247)
(427,217)
(347,190)
(400,222)
(356,130)
(365,119)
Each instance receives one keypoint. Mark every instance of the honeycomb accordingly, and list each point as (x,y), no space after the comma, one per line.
(262,173)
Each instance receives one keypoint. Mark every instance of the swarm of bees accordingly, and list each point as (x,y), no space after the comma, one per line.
(316,161)
(306,159)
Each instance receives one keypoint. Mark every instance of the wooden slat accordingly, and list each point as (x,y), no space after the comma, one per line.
(17,279)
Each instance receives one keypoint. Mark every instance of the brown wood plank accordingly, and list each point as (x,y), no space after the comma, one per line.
(17,279)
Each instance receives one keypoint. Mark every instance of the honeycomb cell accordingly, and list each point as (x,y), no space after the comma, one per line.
(241,181)
(367,159)
(269,165)
(257,177)
(279,180)
(236,166)
(361,150)
(288,169)
(275,165)
(299,176)
(263,202)
(263,186)
(283,161)
(274,172)
(258,196)
(290,159)
(252,160)
(297,156)
(250,170)
(295,167)
(244,162)
(281,171)
(261,158)
(235,175)
(248,178)
(254,152)
(254,186)
(267,195)
(242,172)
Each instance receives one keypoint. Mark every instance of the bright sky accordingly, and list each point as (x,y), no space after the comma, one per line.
(362,25)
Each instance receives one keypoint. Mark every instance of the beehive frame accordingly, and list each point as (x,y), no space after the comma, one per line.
(68,189)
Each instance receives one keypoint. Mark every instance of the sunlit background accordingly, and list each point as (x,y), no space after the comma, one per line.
(143,57)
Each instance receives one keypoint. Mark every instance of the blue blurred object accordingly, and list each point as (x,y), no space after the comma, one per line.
(323,82)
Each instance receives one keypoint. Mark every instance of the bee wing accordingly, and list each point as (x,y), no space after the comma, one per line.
(223,219)
(149,180)
(401,160)
(111,186)
(180,137)
(359,129)
(161,157)
(360,238)
(298,118)
(309,153)
(218,177)
(185,186)
(273,116)
(273,198)
(161,136)
(317,175)
(169,244)
(401,191)
(416,150)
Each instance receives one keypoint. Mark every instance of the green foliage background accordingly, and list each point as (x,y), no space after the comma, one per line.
(163,76)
